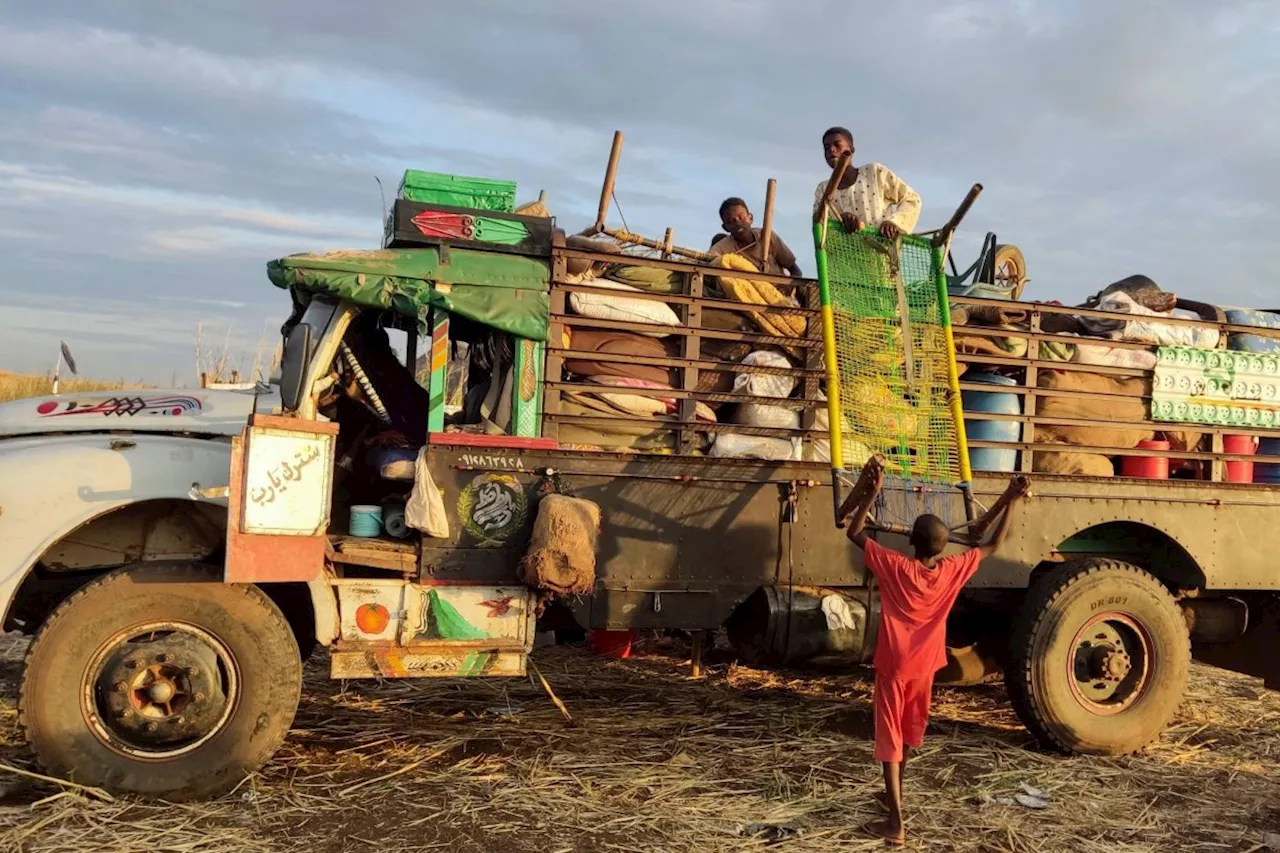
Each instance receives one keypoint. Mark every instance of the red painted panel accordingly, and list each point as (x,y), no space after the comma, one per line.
(463,439)
(434,223)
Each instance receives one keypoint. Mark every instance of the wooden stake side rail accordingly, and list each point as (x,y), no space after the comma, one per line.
(689,301)
(1049,447)
(1031,393)
(780,281)
(577,321)
(699,363)
(674,423)
(1043,308)
(674,299)
(683,394)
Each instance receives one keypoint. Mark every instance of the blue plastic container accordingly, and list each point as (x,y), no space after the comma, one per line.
(1252,343)
(992,402)
(366,521)
(1263,472)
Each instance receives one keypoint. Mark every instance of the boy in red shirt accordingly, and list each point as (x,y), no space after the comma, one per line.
(916,595)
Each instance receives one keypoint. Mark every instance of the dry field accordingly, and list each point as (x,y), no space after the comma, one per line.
(740,760)
(18,386)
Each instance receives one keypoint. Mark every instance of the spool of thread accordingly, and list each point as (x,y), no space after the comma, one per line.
(366,521)
(1148,467)
(393,521)
(1240,472)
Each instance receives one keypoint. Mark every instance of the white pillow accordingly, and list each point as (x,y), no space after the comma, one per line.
(601,307)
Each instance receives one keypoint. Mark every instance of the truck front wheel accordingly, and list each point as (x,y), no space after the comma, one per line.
(1099,658)
(162,681)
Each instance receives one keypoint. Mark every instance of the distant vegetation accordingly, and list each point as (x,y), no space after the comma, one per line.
(17,386)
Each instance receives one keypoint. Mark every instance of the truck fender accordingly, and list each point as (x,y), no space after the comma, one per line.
(52,485)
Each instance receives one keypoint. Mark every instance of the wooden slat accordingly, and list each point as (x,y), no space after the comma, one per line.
(670,423)
(574,321)
(693,394)
(1043,309)
(784,281)
(1123,451)
(1050,364)
(674,299)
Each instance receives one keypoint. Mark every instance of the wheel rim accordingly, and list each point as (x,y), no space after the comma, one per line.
(1009,274)
(159,690)
(1110,665)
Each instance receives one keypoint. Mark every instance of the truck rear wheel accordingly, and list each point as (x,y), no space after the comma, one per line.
(1099,658)
(162,681)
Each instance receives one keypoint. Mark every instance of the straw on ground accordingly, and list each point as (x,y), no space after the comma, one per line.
(660,762)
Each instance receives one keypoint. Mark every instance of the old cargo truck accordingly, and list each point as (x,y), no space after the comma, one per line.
(178,554)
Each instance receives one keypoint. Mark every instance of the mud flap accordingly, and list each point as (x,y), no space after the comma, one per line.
(278,500)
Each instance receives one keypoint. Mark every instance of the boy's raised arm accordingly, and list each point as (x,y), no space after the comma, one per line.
(1018,488)
(869,485)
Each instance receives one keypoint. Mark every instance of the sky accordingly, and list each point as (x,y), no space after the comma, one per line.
(155,155)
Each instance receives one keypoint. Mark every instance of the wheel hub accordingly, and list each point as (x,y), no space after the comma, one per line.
(1116,665)
(1112,658)
(159,691)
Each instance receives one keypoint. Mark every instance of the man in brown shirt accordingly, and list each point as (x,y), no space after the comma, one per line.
(744,240)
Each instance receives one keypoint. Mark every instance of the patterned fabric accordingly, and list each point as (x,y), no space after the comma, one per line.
(876,195)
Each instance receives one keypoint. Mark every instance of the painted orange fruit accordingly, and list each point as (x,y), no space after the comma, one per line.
(372,618)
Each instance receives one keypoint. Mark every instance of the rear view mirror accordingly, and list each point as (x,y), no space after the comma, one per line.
(293,367)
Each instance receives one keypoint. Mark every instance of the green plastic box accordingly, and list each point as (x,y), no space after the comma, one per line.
(458,191)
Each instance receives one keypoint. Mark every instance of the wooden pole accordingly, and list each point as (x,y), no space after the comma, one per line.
(610,175)
(628,237)
(695,662)
(837,175)
(944,235)
(766,233)
(666,245)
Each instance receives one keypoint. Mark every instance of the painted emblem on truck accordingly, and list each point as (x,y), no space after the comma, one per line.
(121,407)
(492,507)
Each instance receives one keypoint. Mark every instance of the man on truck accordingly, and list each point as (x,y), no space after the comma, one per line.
(869,195)
(916,595)
(742,239)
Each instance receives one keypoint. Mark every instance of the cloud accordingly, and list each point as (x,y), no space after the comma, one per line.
(160,148)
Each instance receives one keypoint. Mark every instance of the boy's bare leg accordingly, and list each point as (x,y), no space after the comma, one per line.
(890,829)
(882,797)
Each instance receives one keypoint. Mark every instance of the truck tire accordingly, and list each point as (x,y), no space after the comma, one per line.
(162,681)
(1099,658)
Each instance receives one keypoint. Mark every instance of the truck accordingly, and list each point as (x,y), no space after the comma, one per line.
(177,555)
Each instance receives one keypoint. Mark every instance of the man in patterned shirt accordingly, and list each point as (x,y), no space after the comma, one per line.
(869,195)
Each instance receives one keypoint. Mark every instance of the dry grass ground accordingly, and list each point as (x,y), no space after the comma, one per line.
(18,386)
(658,762)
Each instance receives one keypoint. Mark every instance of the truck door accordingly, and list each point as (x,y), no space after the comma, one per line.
(279,499)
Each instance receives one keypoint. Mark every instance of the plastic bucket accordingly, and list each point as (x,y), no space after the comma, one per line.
(612,644)
(366,521)
(1147,467)
(1240,472)
(991,402)
(1264,472)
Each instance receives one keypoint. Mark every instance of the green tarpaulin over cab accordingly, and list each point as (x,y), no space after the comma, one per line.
(505,292)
